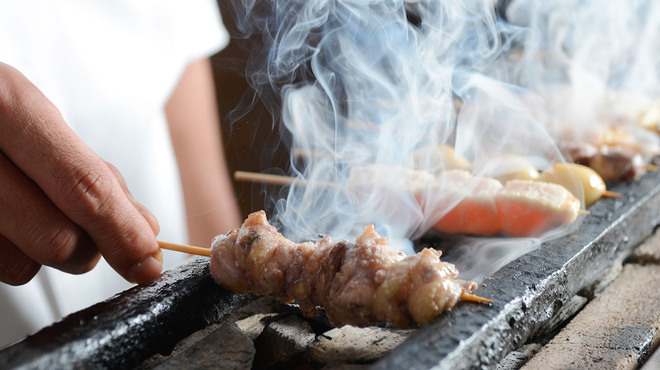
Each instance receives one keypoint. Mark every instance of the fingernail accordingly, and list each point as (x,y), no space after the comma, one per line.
(158,255)
(147,269)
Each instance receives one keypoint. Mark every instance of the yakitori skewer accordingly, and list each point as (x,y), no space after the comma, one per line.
(358,283)
(206,252)
(466,204)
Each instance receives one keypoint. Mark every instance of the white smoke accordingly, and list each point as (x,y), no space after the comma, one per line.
(594,62)
(368,83)
(372,88)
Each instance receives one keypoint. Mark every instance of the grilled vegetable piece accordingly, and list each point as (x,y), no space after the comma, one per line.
(439,158)
(505,167)
(579,180)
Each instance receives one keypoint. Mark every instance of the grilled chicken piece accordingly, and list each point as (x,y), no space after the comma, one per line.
(482,206)
(468,203)
(360,284)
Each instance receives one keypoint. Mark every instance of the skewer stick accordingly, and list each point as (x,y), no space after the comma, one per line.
(610,194)
(266,178)
(583,212)
(651,167)
(474,298)
(185,248)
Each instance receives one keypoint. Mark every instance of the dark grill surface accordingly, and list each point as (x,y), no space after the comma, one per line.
(529,290)
(129,328)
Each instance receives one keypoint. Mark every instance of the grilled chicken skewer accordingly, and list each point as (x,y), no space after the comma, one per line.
(361,284)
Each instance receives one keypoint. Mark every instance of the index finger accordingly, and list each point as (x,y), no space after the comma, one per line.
(78,182)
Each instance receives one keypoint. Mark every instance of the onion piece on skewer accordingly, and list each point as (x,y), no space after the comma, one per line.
(579,180)
(505,167)
(438,158)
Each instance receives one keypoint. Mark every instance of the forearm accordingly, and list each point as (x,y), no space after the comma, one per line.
(210,202)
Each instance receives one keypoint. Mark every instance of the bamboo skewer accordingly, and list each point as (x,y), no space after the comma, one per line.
(469,297)
(651,167)
(206,252)
(610,194)
(287,180)
(185,248)
(266,178)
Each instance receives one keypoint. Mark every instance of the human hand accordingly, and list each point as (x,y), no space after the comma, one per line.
(60,204)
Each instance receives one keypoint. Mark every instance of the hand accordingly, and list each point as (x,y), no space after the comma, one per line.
(60,204)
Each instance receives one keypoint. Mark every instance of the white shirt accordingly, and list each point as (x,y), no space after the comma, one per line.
(109,67)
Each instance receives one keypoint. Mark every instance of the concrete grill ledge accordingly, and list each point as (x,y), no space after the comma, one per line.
(530,290)
(129,328)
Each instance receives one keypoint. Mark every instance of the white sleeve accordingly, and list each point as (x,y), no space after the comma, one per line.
(199,30)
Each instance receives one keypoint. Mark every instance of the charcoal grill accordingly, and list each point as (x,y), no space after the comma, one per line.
(148,319)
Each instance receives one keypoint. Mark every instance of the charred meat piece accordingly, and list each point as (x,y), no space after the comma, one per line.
(612,163)
(361,283)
